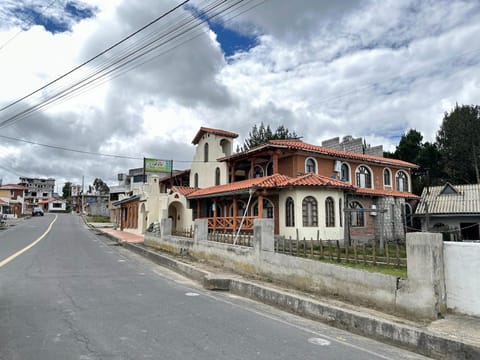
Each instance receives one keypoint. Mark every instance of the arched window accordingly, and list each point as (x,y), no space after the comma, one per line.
(345,173)
(402,181)
(310,165)
(257,171)
(357,217)
(241,205)
(195,180)
(267,209)
(270,168)
(364,177)
(205,153)
(309,212)
(340,212)
(217,176)
(329,212)
(387,177)
(289,212)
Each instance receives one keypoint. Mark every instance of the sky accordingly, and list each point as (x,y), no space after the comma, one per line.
(87,94)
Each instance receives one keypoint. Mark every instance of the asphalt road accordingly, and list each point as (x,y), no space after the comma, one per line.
(75,295)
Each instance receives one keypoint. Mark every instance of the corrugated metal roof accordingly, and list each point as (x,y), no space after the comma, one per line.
(450,199)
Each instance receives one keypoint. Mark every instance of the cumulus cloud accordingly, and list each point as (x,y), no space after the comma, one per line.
(372,69)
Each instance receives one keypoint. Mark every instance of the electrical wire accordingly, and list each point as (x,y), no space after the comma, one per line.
(109,69)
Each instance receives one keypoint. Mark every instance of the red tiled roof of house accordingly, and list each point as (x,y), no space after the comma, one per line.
(13,187)
(377,192)
(312,179)
(183,190)
(272,181)
(242,186)
(219,132)
(300,145)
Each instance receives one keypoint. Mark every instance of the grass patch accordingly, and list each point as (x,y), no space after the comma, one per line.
(98,219)
(382,269)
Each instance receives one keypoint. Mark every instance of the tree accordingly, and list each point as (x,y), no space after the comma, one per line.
(262,134)
(100,186)
(67,190)
(459,144)
(425,155)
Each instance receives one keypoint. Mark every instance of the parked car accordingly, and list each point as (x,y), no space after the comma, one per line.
(37,211)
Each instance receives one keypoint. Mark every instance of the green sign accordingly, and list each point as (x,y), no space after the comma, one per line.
(157,165)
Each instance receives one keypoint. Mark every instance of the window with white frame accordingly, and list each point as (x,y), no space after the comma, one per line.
(270,168)
(329,212)
(387,177)
(364,177)
(345,173)
(402,181)
(289,212)
(309,211)
(310,165)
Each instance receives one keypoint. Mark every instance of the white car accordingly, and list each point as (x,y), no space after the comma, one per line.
(37,211)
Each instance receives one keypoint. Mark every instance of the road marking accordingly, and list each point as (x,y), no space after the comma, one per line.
(319,341)
(192,294)
(20,252)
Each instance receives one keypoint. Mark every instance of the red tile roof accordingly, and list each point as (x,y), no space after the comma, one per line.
(300,145)
(269,182)
(204,130)
(13,187)
(375,192)
(282,181)
(183,190)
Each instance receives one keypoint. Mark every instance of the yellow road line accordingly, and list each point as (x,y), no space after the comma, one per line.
(20,252)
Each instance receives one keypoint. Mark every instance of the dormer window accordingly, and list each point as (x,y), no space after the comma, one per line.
(364,177)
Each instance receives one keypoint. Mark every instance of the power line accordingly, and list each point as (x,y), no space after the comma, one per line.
(96,56)
(214,10)
(71,150)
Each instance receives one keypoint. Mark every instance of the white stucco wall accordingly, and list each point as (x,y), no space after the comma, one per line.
(206,170)
(330,233)
(462,263)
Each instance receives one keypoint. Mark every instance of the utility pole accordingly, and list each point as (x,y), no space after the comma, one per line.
(83,197)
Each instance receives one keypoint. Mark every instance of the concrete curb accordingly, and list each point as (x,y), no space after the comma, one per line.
(414,338)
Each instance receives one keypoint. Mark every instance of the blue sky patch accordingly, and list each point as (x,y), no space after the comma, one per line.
(232,41)
(54,19)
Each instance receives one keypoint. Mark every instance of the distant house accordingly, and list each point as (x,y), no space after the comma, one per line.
(57,206)
(13,198)
(39,191)
(451,209)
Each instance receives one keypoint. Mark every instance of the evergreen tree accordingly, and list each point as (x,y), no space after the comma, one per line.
(263,134)
(459,144)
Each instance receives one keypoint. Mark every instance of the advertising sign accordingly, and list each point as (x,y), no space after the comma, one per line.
(157,165)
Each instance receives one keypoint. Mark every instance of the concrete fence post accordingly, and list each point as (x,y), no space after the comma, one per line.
(263,239)
(200,229)
(424,293)
(165,227)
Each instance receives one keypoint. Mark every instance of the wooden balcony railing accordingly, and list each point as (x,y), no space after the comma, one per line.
(230,223)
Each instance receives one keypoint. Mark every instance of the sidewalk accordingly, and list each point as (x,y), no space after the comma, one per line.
(454,337)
